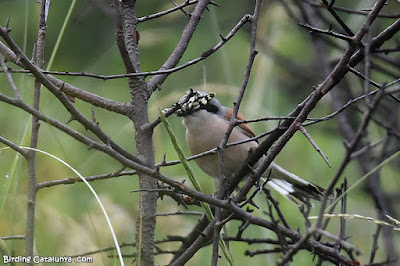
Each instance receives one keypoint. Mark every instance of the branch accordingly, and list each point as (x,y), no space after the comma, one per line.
(169,11)
(376,42)
(120,37)
(182,45)
(331,9)
(350,11)
(13,146)
(67,88)
(320,152)
(31,158)
(93,127)
(10,79)
(301,111)
(328,32)
(131,35)
(350,147)
(112,105)
(222,191)
(341,109)
(73,180)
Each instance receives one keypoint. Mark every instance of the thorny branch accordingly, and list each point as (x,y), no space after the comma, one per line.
(227,206)
(31,155)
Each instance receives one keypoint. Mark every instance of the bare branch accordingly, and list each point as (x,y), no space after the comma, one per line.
(10,79)
(14,146)
(331,9)
(378,114)
(327,32)
(182,45)
(168,11)
(351,11)
(120,37)
(31,158)
(73,180)
(304,131)
(93,127)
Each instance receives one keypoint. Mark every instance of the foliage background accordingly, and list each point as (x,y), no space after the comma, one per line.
(68,220)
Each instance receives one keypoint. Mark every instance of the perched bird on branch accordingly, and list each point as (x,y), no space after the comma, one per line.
(207,122)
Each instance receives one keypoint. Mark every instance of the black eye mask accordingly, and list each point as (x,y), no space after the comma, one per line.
(211,108)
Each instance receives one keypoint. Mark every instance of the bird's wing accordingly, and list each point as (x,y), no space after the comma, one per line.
(292,186)
(245,127)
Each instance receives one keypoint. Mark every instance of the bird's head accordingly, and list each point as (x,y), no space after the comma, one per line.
(195,101)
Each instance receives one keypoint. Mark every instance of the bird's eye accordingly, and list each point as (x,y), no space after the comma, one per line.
(211,108)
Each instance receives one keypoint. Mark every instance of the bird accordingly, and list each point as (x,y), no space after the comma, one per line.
(206,121)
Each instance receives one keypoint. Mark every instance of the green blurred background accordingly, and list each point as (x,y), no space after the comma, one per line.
(68,219)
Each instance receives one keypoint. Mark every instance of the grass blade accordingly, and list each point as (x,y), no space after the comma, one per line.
(94,194)
(194,182)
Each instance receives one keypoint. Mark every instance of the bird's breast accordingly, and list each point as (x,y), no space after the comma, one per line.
(208,134)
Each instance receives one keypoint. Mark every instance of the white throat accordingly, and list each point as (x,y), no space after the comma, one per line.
(199,120)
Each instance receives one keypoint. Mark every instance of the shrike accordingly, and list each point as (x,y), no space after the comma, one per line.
(207,121)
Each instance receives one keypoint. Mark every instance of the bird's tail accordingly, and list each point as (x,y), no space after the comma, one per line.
(291,186)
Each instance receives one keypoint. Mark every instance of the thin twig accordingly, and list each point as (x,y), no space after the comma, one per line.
(75,113)
(73,180)
(331,9)
(351,11)
(14,146)
(13,86)
(168,11)
(179,213)
(375,246)
(366,149)
(320,152)
(170,65)
(328,32)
